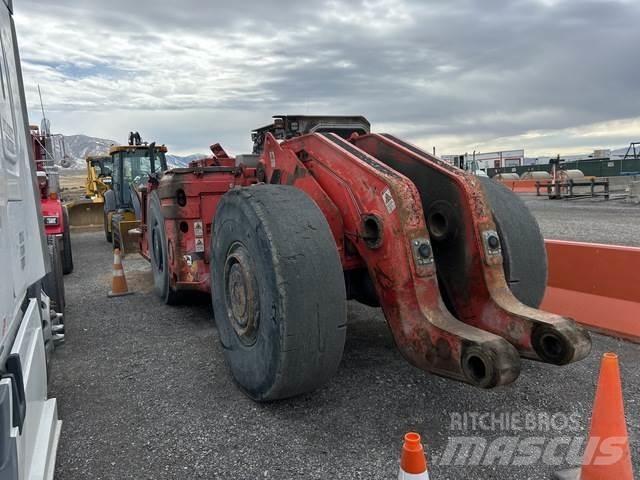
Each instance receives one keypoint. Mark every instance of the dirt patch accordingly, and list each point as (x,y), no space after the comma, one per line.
(72,185)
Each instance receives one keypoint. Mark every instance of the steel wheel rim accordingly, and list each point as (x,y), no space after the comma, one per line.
(241,294)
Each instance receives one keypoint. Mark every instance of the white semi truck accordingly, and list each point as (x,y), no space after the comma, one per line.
(29,425)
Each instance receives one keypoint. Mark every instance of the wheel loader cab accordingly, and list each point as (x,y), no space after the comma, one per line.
(101,165)
(131,167)
(98,176)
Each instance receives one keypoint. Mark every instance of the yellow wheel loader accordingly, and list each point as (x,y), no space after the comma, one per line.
(88,210)
(131,167)
(98,177)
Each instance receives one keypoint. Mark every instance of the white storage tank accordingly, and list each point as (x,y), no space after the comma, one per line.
(536,175)
(506,176)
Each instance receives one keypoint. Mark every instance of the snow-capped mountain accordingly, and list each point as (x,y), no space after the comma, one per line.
(77,147)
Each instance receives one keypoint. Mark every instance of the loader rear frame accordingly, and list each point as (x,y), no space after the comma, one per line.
(413,234)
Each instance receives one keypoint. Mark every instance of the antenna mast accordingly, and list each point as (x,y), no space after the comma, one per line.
(44,127)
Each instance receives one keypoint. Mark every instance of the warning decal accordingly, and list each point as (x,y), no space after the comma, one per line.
(197,228)
(388,200)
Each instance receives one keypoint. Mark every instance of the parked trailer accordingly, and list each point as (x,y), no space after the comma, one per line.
(283,237)
(29,425)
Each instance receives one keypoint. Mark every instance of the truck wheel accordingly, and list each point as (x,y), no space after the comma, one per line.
(67,257)
(115,230)
(107,233)
(523,251)
(278,292)
(159,253)
(109,206)
(53,282)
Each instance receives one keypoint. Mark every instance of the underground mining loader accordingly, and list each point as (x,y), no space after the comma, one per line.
(324,211)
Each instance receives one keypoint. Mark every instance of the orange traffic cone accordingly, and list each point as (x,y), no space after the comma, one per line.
(607,455)
(413,462)
(118,282)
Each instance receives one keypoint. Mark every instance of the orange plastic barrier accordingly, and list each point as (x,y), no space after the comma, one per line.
(597,285)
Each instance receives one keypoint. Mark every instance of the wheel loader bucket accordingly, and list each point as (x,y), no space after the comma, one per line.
(129,234)
(126,232)
(85,213)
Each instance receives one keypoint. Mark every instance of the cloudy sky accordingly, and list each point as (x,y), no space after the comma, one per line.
(550,76)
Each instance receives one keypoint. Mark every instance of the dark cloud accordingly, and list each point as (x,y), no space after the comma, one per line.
(481,69)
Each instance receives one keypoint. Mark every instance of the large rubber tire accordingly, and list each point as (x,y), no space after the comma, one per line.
(115,230)
(107,233)
(109,206)
(159,252)
(278,292)
(523,251)
(67,254)
(53,282)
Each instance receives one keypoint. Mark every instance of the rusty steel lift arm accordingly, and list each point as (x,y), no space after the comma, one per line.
(383,219)
(469,256)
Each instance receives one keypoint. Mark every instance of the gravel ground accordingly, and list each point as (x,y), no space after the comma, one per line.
(587,220)
(144,392)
